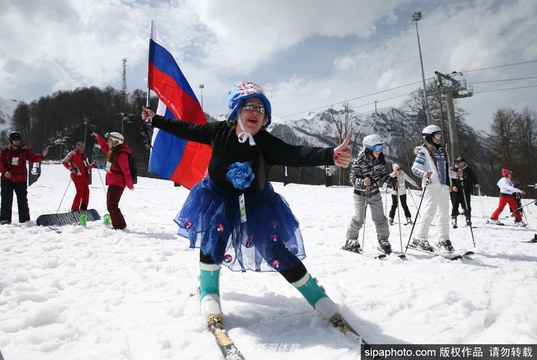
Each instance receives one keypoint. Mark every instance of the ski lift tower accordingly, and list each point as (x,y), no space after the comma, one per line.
(453,89)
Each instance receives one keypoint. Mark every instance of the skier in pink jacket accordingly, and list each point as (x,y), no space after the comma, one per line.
(118,175)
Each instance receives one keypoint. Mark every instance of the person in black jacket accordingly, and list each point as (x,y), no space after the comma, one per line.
(463,187)
(233,215)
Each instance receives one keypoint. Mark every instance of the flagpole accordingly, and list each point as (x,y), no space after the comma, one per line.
(148,55)
(187,166)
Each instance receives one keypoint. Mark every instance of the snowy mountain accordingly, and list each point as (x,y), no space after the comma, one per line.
(319,128)
(7,108)
(400,131)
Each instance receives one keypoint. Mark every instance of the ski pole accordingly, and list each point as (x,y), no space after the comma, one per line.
(102,183)
(519,196)
(417,214)
(520,207)
(534,203)
(481,201)
(399,219)
(467,209)
(386,201)
(365,215)
(412,196)
(525,204)
(69,183)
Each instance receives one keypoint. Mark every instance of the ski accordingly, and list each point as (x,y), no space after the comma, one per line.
(381,256)
(405,224)
(377,256)
(338,321)
(225,344)
(350,249)
(532,241)
(449,256)
(493,223)
(353,250)
(488,222)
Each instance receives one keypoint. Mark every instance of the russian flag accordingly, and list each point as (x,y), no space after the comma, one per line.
(173,158)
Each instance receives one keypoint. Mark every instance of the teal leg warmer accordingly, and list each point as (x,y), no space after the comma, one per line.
(209,279)
(309,288)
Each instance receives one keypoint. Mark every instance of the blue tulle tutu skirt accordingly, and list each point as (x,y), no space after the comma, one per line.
(269,239)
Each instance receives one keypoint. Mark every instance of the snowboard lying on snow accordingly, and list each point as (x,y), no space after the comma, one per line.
(68,218)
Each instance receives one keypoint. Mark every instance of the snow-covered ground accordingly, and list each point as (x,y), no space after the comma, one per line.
(95,293)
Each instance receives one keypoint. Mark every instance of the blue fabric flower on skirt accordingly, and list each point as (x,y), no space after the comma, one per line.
(240,175)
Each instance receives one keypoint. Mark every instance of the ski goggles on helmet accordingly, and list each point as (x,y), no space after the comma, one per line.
(260,108)
(377,148)
(437,135)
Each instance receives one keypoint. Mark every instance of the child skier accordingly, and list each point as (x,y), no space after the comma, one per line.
(401,192)
(507,197)
(368,173)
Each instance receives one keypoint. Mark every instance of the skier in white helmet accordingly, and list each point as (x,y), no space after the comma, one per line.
(368,173)
(432,166)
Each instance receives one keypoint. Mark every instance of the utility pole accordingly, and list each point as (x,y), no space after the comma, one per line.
(124,89)
(453,89)
(417,17)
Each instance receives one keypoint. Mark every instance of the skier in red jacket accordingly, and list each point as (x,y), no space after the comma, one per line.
(14,177)
(80,168)
(118,174)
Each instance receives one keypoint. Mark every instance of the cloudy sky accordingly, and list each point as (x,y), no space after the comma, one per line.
(308,55)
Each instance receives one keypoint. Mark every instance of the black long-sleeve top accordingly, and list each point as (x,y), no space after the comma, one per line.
(226,150)
(469,179)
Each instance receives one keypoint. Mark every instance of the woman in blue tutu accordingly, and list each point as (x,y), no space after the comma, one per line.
(233,215)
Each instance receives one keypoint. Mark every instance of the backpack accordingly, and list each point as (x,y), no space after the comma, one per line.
(132,167)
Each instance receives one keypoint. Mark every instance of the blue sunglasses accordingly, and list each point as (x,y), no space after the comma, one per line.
(377,148)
